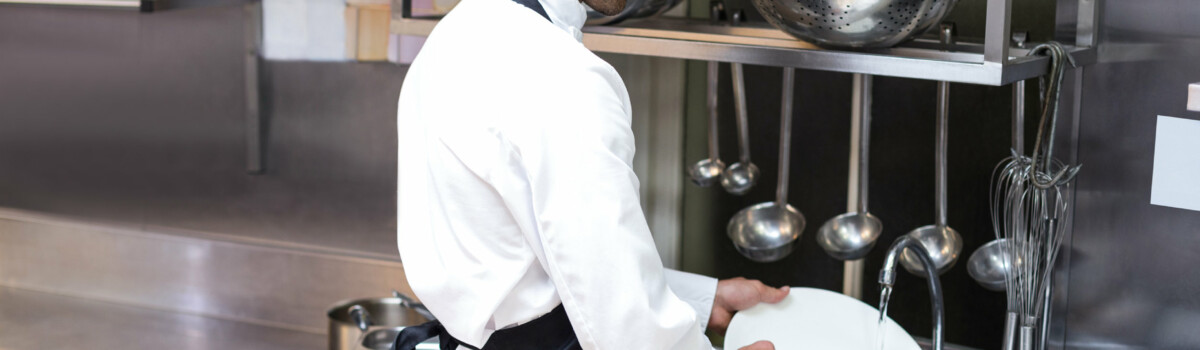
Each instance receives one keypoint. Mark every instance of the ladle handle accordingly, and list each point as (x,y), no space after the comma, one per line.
(713,81)
(1018,107)
(943,113)
(1027,338)
(1018,122)
(1010,332)
(743,124)
(785,134)
(1044,335)
(862,103)
(943,117)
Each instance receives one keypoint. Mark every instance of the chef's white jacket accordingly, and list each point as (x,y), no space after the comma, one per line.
(516,191)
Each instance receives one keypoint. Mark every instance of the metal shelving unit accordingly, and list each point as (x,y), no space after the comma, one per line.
(993,62)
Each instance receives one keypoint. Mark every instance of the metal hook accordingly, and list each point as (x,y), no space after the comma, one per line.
(1044,144)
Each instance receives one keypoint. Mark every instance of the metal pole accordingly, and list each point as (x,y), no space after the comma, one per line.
(856,200)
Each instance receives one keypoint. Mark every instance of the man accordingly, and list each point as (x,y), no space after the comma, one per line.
(518,216)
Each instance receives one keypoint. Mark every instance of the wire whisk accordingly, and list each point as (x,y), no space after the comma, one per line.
(1030,207)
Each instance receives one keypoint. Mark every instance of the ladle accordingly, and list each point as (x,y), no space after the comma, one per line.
(708,171)
(738,178)
(766,232)
(989,265)
(851,236)
(942,242)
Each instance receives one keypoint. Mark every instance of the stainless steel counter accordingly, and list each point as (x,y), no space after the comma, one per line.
(32,320)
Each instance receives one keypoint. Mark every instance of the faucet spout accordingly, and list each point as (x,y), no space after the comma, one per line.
(887,278)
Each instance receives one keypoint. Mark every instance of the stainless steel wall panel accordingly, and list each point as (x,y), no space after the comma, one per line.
(1132,281)
(138,118)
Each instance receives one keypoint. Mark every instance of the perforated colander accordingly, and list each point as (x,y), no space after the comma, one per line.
(854,23)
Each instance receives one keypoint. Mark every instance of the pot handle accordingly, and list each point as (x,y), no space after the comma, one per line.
(413,305)
(360,317)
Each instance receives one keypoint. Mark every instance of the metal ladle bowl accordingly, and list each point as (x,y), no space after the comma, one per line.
(989,265)
(854,23)
(765,232)
(943,244)
(706,172)
(738,178)
(850,236)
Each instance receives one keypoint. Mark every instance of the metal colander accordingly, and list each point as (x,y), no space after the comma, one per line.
(854,23)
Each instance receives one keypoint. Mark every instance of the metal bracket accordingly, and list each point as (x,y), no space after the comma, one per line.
(1087,22)
(997,33)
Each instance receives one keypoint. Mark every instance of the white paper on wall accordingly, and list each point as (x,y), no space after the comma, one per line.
(1176,179)
(312,30)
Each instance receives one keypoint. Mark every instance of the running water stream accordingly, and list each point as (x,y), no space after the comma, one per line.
(880,332)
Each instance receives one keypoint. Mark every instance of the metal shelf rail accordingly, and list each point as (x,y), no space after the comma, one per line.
(994,62)
(143,5)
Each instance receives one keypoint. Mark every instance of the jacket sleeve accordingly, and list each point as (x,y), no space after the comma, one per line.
(591,237)
(697,290)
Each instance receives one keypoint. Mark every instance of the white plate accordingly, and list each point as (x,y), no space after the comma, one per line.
(815,319)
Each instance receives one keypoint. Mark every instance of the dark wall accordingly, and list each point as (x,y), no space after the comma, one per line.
(901,176)
(138,118)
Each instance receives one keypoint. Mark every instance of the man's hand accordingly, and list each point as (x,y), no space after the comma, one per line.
(738,294)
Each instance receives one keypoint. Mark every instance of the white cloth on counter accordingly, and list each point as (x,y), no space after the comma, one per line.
(516,191)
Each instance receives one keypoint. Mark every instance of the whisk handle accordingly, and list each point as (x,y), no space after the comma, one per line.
(1026,337)
(1010,331)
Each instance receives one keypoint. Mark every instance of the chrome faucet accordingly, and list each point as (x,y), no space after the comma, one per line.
(887,278)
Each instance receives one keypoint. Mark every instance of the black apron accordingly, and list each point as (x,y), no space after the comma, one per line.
(551,331)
